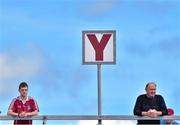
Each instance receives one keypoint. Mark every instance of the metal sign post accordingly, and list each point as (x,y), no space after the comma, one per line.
(99,93)
(99,48)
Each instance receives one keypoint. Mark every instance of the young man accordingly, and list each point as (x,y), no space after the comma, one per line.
(150,104)
(23,106)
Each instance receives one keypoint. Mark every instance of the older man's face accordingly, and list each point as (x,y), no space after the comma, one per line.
(151,90)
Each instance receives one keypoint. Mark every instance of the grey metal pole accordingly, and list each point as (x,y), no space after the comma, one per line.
(99,94)
(44,120)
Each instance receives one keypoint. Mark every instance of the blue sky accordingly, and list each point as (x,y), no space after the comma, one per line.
(41,43)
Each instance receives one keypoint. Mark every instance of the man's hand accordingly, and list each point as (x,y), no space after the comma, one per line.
(24,114)
(153,113)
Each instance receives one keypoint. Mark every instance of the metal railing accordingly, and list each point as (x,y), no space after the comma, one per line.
(45,118)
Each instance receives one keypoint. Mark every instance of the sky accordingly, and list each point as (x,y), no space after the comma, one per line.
(41,44)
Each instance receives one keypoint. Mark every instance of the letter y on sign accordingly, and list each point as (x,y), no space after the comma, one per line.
(99,47)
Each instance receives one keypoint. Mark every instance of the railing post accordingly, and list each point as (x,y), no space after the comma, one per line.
(99,122)
(44,120)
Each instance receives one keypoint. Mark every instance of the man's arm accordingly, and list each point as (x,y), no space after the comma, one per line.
(22,114)
(35,108)
(12,108)
(163,106)
(144,113)
(137,107)
(11,113)
(34,113)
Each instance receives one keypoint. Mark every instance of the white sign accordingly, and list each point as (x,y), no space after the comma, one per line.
(99,47)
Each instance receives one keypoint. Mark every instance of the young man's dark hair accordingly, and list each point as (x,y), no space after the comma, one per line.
(23,84)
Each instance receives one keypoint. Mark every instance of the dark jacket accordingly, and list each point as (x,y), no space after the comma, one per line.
(144,103)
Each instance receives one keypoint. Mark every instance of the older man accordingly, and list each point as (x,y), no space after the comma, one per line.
(150,104)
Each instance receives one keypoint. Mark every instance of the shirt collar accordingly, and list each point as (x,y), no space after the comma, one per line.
(20,98)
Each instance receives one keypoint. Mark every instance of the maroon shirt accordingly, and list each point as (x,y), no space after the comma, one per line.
(18,106)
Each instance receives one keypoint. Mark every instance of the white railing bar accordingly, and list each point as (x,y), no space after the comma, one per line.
(90,117)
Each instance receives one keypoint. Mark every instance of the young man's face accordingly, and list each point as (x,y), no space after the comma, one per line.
(23,91)
(151,90)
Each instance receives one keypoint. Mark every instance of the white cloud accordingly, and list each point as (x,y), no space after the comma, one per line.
(18,64)
(13,66)
(99,7)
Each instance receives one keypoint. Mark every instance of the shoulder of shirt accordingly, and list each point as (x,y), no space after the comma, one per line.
(15,99)
(159,96)
(142,95)
(30,98)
